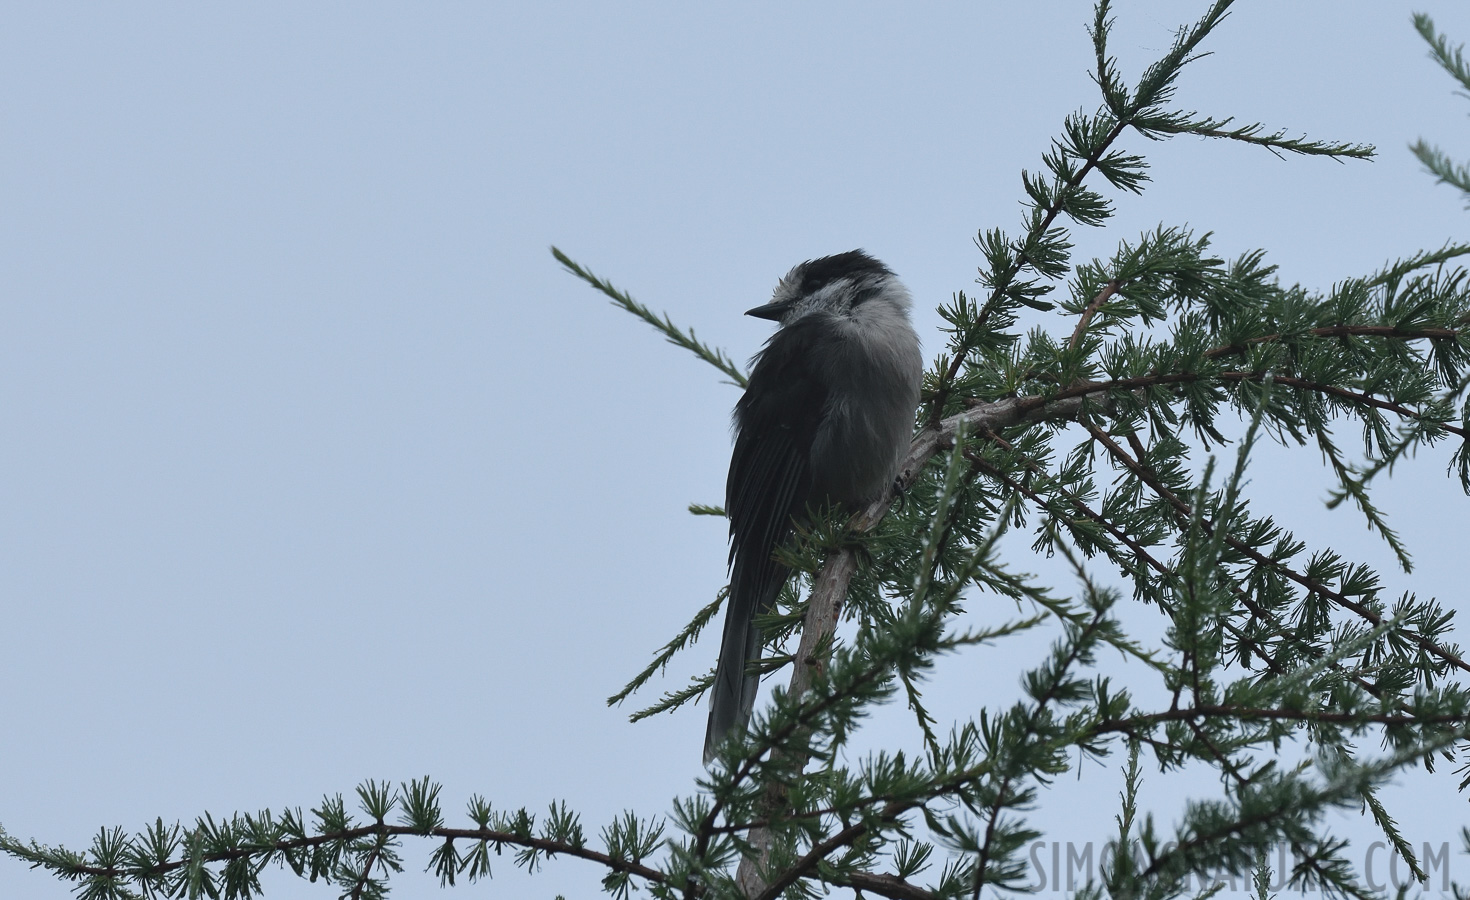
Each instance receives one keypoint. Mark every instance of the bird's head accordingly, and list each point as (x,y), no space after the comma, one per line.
(838,284)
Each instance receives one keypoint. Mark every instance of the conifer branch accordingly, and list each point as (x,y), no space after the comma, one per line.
(1276,141)
(1451,58)
(47,857)
(671,332)
(1103,296)
(1251,714)
(1150,478)
(1355,397)
(884,886)
(665,654)
(1339,331)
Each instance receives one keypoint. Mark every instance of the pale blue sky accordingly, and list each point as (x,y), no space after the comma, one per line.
(316,467)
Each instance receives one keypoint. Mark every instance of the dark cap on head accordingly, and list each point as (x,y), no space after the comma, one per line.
(817,273)
(814,275)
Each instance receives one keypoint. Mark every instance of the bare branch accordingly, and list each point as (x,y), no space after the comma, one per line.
(1103,296)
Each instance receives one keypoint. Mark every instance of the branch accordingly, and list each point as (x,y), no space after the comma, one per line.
(1148,477)
(1263,615)
(367,869)
(884,885)
(1343,331)
(380,830)
(1343,393)
(1275,142)
(1103,296)
(675,335)
(1451,59)
(1287,715)
(666,653)
(1141,382)
(812,857)
(1117,533)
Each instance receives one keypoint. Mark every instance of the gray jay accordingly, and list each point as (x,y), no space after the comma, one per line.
(826,418)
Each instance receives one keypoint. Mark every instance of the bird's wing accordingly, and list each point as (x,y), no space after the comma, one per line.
(776,422)
(770,479)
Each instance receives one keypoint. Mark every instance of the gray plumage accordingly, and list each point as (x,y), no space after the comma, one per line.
(826,417)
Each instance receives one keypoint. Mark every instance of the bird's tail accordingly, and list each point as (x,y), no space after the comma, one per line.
(732,696)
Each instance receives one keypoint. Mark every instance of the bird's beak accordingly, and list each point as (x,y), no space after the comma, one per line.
(772,311)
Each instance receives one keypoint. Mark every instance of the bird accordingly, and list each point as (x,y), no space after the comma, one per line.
(826,418)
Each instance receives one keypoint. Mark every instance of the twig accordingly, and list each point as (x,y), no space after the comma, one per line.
(1207,711)
(1344,393)
(1103,296)
(884,885)
(1343,331)
(367,869)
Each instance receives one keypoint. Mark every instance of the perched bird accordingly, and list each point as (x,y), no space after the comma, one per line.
(826,417)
